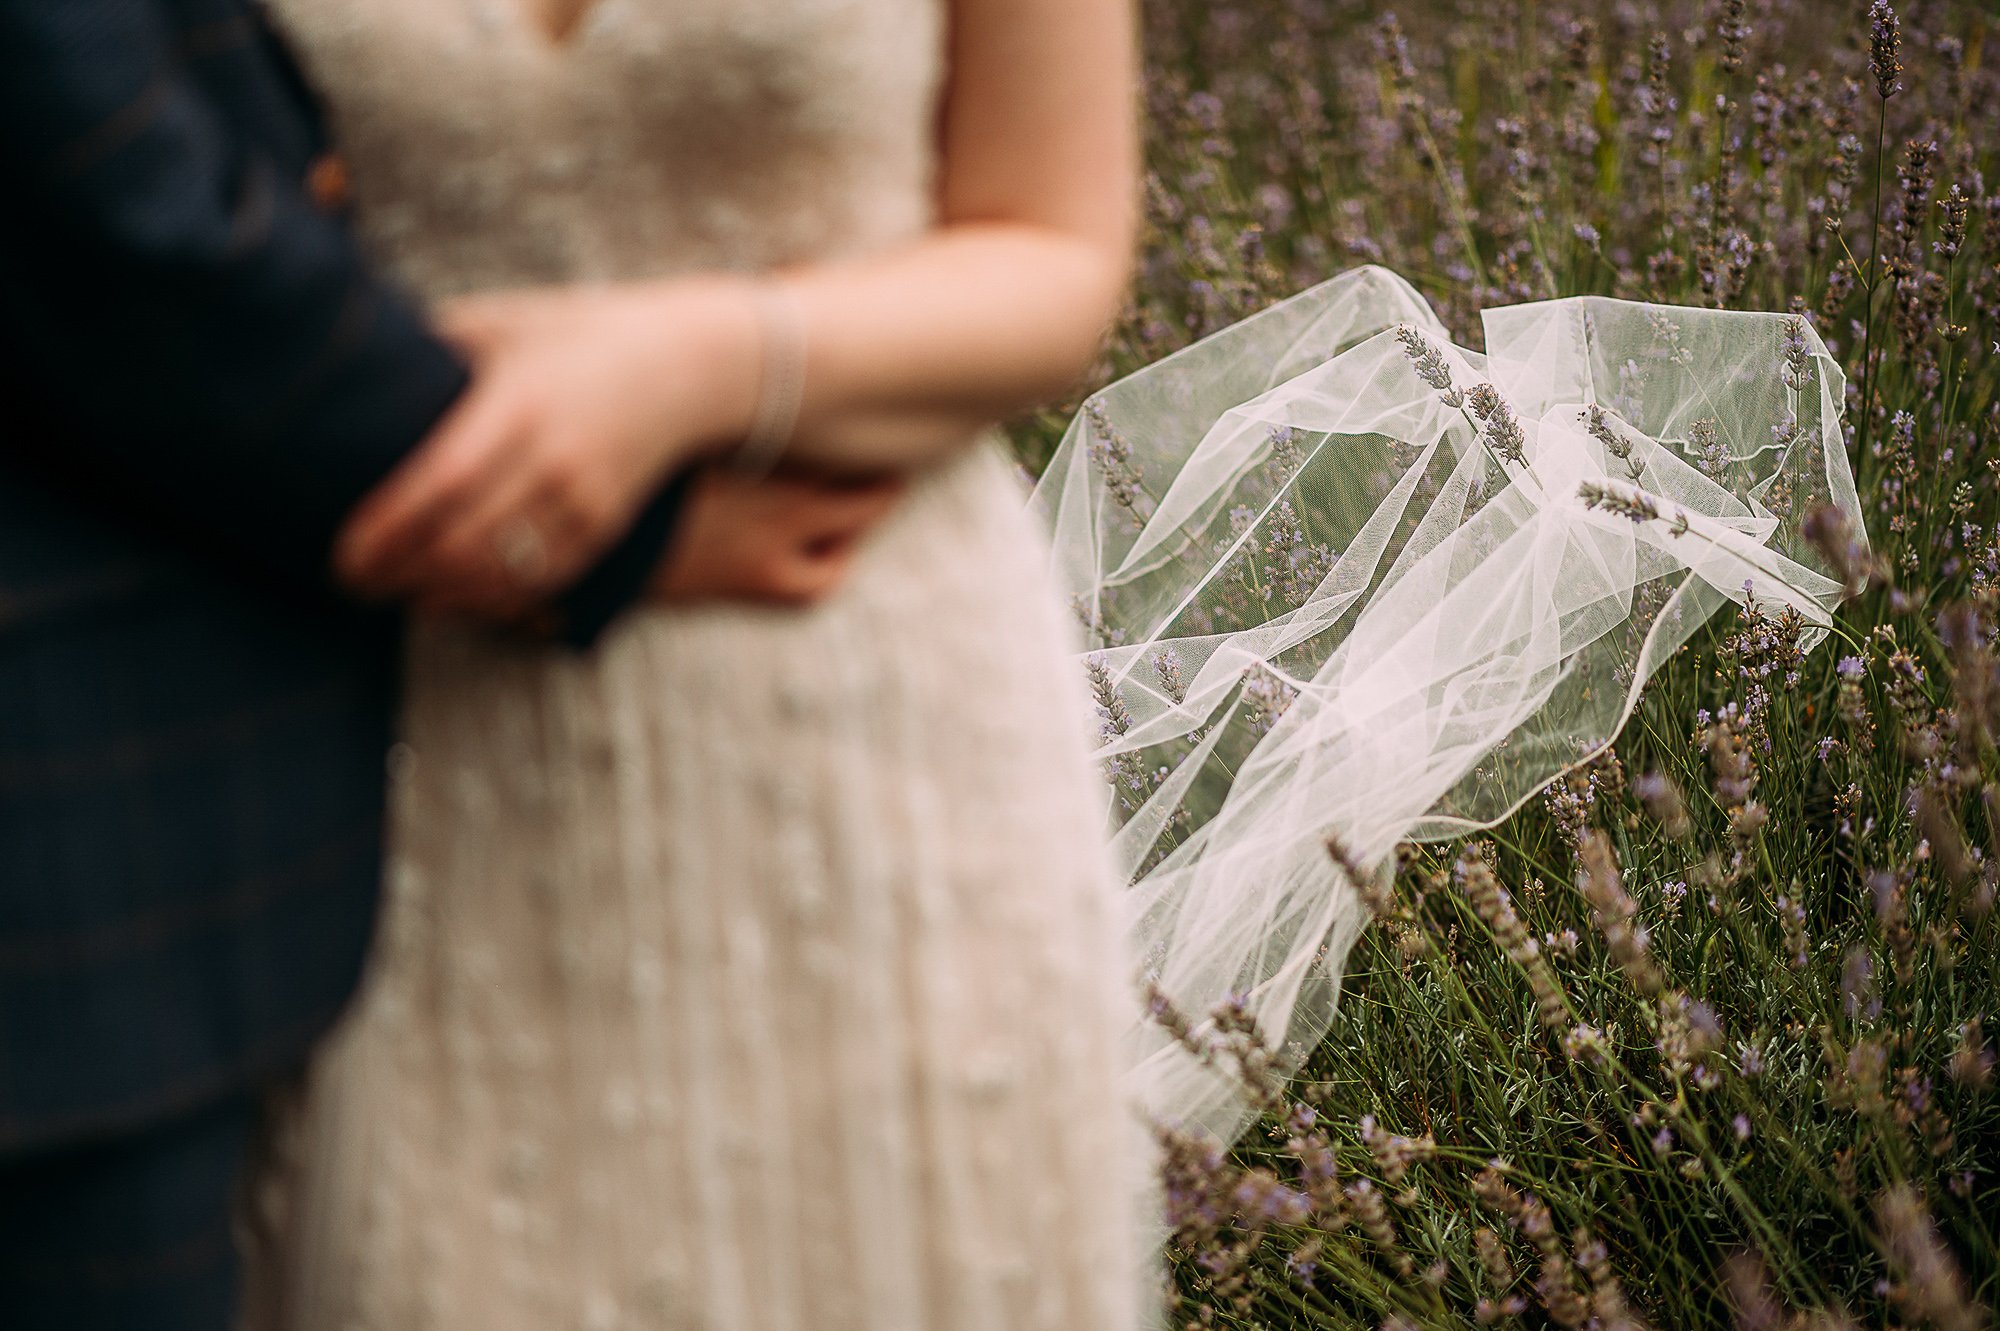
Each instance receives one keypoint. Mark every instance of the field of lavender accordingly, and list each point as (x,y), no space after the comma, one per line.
(1705,1038)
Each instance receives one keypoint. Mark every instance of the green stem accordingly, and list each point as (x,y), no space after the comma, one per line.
(1874,279)
(1460,222)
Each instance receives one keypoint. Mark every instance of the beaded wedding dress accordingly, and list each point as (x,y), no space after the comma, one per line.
(759,971)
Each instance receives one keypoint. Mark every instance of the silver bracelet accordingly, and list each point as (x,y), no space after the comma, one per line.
(781,380)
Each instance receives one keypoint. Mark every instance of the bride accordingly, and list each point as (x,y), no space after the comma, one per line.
(759,970)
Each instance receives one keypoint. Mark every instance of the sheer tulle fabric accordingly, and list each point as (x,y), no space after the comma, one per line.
(1342,577)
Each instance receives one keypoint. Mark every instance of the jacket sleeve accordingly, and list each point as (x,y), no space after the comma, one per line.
(216,351)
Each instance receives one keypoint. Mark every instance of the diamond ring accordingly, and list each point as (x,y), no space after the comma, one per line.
(522,552)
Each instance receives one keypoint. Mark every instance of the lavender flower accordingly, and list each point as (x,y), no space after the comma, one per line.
(1972,1060)
(1365,1202)
(1707,449)
(1262,1198)
(1662,799)
(1735,35)
(1933,1288)
(1266,695)
(1112,453)
(1951,231)
(1429,364)
(1367,884)
(1725,737)
(1634,504)
(1687,1034)
(1857,986)
(1494,906)
(1296,565)
(1797,373)
(1616,913)
(1598,421)
(1499,1270)
(1167,669)
(1111,708)
(1303,1261)
(1608,1308)
(1393,1153)
(1792,920)
(1394,50)
(1555,1284)
(1847,554)
(1287,458)
(1503,433)
(1586,1043)
(1885,45)
(1656,102)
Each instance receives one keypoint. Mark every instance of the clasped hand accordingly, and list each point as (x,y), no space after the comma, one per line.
(584,400)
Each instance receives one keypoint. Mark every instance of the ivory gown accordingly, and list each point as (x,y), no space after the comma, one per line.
(760,972)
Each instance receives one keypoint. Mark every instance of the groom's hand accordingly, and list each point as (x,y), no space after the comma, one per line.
(583,401)
(790,539)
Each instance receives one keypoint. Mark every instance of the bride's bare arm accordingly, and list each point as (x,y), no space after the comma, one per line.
(587,397)
(1002,306)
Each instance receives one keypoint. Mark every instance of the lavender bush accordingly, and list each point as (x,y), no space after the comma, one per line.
(1707,1037)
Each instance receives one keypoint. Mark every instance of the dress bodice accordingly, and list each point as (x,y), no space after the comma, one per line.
(658,136)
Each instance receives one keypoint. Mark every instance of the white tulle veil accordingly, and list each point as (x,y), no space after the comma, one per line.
(1344,577)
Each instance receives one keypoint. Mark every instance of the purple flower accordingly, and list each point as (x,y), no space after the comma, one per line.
(1885,43)
(1857,984)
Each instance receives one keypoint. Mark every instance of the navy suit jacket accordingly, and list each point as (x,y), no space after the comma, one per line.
(199,377)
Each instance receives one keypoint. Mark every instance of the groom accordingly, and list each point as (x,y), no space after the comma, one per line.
(199,378)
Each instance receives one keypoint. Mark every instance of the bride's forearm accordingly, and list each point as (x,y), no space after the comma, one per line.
(911,353)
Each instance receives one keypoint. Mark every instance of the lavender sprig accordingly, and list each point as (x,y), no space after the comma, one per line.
(1885,46)
(1111,709)
(1797,373)
(1503,433)
(1598,422)
(1112,453)
(1429,364)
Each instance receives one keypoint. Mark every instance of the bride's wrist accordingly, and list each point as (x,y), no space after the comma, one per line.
(714,324)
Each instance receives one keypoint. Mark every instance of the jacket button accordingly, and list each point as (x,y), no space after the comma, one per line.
(327,183)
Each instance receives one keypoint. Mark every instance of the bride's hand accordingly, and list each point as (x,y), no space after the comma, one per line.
(786,540)
(583,401)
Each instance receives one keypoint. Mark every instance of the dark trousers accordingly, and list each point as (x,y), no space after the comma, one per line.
(127,1234)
